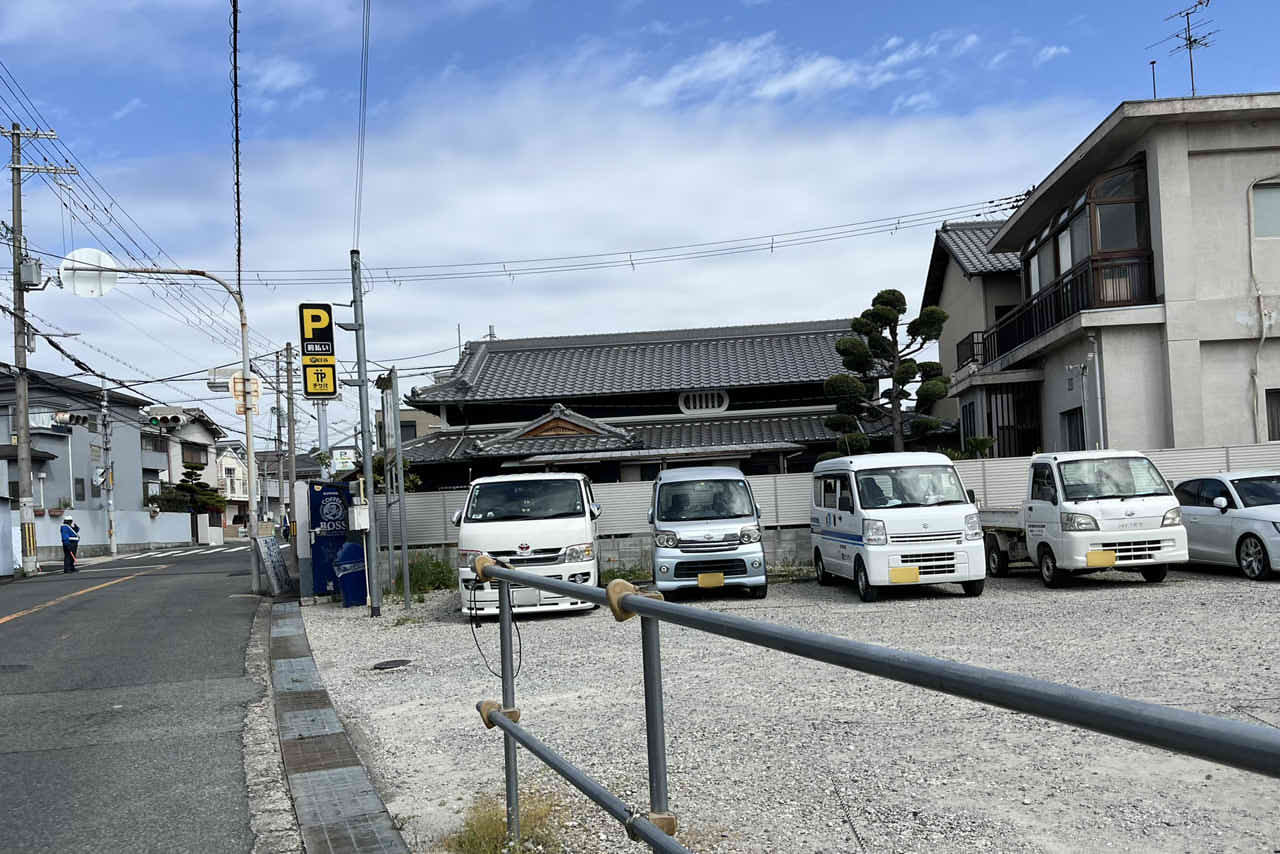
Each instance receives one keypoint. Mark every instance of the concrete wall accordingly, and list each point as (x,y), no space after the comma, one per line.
(1056,397)
(1135,388)
(961,299)
(136,531)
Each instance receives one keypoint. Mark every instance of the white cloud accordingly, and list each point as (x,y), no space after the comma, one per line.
(965,45)
(916,103)
(892,42)
(1050,52)
(132,105)
(998,60)
(273,75)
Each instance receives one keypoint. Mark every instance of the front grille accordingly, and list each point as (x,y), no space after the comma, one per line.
(1134,550)
(694,568)
(931,537)
(533,557)
(728,542)
(931,563)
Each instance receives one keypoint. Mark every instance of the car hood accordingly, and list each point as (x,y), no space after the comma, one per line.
(1120,513)
(910,520)
(1265,513)
(709,530)
(536,534)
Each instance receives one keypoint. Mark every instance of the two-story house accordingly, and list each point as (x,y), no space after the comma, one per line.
(622,406)
(174,437)
(1149,289)
(414,423)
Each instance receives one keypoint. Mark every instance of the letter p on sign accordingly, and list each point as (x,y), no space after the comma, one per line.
(313,319)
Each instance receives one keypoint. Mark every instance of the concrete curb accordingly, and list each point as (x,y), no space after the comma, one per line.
(337,806)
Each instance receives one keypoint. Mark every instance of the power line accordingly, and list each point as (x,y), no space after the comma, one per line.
(363,118)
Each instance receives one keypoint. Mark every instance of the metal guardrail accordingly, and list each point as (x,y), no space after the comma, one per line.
(1247,746)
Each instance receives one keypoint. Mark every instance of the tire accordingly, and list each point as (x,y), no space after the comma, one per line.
(759,592)
(973,589)
(1155,574)
(866,592)
(997,558)
(1252,558)
(824,578)
(1049,572)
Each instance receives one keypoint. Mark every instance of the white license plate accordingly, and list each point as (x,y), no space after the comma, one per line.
(524,597)
(1129,526)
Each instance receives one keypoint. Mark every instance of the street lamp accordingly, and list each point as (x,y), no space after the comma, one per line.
(87,279)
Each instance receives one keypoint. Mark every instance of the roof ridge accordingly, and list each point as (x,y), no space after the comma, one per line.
(970,224)
(654,336)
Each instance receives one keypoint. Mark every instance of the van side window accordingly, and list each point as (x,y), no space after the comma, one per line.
(847,503)
(829,491)
(817,491)
(1042,485)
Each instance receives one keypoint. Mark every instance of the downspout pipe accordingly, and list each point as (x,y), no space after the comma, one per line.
(1264,320)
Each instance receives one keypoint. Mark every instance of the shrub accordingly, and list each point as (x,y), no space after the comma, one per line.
(427,573)
(484,827)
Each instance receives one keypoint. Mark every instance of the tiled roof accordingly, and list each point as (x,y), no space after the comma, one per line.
(967,243)
(634,362)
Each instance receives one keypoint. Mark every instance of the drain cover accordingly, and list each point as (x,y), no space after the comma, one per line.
(17,668)
(391,663)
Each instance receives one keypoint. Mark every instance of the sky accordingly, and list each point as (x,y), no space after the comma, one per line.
(503,130)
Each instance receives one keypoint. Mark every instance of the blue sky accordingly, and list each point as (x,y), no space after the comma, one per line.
(524,129)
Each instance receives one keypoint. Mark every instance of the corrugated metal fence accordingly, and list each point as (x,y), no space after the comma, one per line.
(785,499)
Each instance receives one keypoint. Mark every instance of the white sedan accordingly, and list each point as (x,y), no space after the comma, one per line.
(1233,519)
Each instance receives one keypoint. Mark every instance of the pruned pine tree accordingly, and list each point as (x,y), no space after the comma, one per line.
(879,357)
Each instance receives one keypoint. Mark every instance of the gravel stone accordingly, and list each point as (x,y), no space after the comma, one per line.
(769,752)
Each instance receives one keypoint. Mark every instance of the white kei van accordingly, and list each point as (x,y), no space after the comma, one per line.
(890,519)
(541,523)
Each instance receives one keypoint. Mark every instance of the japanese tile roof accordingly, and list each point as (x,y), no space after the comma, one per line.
(637,362)
(965,243)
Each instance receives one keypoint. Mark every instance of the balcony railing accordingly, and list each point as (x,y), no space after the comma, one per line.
(1093,283)
(235,487)
(969,349)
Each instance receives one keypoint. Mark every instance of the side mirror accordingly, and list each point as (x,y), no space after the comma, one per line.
(456,518)
(971,495)
(1220,503)
(650,515)
(595,510)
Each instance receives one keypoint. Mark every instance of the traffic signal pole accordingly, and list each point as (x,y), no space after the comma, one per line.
(108,474)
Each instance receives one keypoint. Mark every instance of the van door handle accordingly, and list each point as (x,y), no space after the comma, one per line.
(1030,509)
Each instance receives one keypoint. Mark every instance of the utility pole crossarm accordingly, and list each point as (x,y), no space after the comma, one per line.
(46,169)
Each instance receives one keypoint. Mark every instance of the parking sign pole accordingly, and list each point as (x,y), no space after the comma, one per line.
(366,435)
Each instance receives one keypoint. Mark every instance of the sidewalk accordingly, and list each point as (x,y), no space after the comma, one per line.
(337,806)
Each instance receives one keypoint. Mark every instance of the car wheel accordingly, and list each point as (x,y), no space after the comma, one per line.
(1049,572)
(759,591)
(1253,559)
(997,558)
(824,577)
(1155,574)
(973,588)
(866,592)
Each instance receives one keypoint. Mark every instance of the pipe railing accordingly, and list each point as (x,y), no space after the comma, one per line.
(1240,745)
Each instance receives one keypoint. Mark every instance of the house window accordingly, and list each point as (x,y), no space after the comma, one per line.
(152,442)
(13,495)
(40,417)
(1072,424)
(95,488)
(1119,200)
(1273,415)
(408,430)
(229,472)
(195,455)
(79,489)
(1266,210)
(1045,263)
(698,402)
(1079,229)
(150,489)
(968,421)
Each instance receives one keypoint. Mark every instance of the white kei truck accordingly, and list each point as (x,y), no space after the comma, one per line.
(1089,511)
(894,519)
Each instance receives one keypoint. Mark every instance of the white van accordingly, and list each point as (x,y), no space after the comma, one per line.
(542,523)
(891,519)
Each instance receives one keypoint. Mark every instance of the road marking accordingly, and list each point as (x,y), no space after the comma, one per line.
(210,551)
(133,556)
(242,548)
(285,546)
(53,602)
(183,554)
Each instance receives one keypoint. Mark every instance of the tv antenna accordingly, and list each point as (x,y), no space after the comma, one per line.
(1192,37)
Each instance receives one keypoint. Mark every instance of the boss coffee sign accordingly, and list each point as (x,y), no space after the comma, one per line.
(319,362)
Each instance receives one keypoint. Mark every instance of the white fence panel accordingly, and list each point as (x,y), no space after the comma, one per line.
(1183,463)
(1004,481)
(1254,457)
(625,506)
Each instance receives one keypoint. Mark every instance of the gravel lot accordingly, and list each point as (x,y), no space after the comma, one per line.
(769,752)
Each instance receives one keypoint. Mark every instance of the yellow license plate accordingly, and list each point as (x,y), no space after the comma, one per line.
(711,579)
(904,574)
(1100,557)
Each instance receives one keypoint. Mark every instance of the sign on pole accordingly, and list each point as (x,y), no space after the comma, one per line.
(319,363)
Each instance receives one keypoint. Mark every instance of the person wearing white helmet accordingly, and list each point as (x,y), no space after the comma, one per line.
(70,542)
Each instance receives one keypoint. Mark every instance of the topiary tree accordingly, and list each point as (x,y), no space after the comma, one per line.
(881,351)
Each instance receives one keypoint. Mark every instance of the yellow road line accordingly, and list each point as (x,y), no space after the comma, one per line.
(53,602)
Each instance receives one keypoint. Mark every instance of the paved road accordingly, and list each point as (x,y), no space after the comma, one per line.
(122,699)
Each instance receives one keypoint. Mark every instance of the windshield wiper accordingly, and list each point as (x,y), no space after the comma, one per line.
(947,501)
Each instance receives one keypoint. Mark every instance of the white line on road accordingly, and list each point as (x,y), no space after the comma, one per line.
(181,554)
(211,551)
(285,546)
(240,549)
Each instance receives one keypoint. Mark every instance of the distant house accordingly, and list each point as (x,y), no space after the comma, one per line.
(623,406)
(174,437)
(414,423)
(1145,315)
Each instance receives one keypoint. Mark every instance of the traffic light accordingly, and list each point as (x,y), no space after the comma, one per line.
(166,417)
(70,419)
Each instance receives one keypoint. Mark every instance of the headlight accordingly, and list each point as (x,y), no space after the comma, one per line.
(972,527)
(578,553)
(1078,522)
(749,534)
(473,583)
(874,533)
(1173,517)
(467,557)
(665,540)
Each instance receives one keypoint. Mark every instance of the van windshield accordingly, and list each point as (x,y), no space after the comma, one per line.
(690,500)
(909,486)
(1110,477)
(525,499)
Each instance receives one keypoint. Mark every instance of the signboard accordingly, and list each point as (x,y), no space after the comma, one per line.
(342,459)
(319,362)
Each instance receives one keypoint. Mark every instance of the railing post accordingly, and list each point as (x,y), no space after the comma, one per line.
(654,724)
(508,702)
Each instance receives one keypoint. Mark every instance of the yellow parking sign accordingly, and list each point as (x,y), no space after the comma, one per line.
(319,362)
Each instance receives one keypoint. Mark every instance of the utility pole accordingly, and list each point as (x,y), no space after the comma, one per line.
(108,473)
(322,425)
(22,411)
(366,433)
(279,412)
(293,457)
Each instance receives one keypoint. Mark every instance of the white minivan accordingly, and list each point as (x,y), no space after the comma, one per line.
(541,523)
(894,519)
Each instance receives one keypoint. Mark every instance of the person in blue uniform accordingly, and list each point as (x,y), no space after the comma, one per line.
(70,542)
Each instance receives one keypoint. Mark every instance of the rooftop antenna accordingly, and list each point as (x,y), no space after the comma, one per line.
(1191,37)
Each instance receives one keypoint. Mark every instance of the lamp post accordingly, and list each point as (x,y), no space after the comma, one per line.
(72,267)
